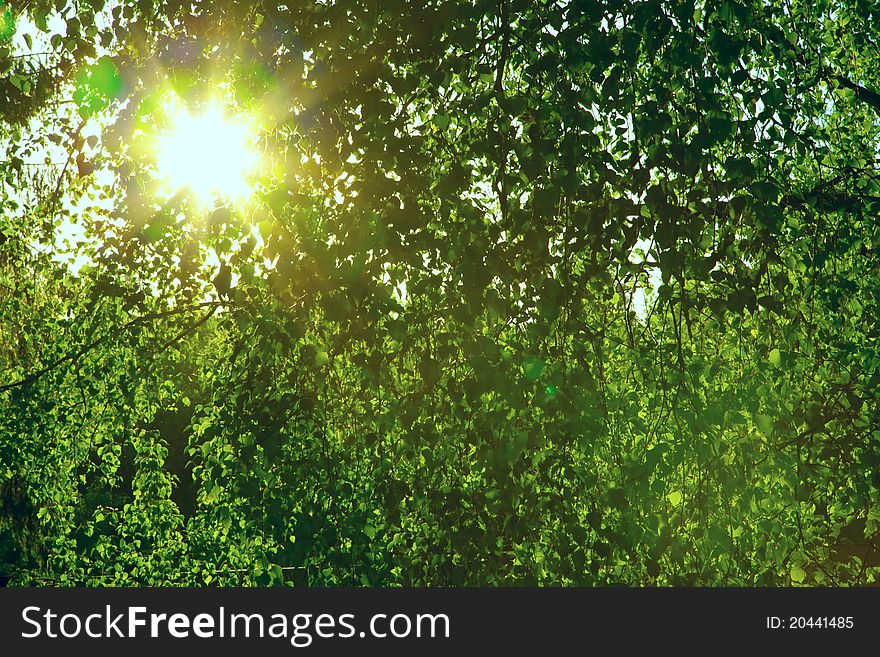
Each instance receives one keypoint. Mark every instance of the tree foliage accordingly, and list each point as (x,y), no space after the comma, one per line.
(529,292)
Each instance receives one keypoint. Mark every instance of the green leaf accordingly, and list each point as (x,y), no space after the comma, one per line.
(764,423)
(532,368)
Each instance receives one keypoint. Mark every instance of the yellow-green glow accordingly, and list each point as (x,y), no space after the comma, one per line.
(207,153)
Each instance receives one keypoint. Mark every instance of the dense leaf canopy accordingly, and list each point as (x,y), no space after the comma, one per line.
(527,292)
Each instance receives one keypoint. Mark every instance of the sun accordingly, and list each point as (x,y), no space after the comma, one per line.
(207,152)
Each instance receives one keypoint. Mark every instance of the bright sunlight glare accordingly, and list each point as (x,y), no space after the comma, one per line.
(207,153)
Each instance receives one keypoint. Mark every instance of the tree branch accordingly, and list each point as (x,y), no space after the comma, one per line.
(82,351)
(864,94)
